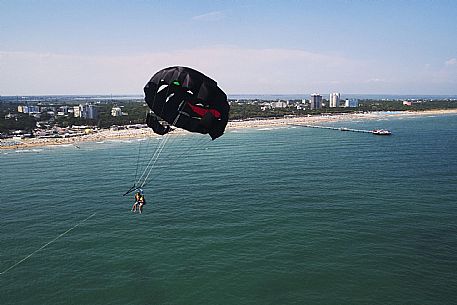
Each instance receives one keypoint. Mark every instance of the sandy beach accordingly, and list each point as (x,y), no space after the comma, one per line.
(107,134)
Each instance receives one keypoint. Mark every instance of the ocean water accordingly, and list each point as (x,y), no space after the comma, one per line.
(261,216)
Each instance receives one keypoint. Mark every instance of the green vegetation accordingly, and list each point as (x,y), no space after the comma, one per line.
(240,111)
(19,122)
(244,110)
(134,112)
(12,120)
(372,105)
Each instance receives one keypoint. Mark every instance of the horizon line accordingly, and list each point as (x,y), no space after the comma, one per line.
(228,95)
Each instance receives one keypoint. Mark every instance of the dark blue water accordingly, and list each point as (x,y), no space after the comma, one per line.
(266,216)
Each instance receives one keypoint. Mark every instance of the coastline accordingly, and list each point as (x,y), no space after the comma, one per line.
(107,134)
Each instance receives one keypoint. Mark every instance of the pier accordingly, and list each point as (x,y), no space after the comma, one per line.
(375,131)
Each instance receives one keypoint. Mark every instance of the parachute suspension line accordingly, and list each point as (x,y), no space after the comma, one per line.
(130,190)
(199,143)
(167,140)
(160,148)
(135,183)
(154,157)
(137,163)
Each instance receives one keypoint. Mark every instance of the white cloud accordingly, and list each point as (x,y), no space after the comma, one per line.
(376,80)
(451,62)
(237,70)
(211,16)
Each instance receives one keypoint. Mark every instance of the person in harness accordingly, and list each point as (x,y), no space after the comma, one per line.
(140,201)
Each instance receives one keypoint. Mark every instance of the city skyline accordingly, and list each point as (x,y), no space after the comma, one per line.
(250,47)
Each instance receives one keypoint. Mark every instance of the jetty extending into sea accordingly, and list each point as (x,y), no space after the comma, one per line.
(375,131)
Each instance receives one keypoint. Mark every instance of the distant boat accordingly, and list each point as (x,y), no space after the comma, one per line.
(381,132)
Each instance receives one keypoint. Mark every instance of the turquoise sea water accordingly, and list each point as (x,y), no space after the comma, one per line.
(264,216)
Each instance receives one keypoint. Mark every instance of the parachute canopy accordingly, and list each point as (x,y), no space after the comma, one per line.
(188,99)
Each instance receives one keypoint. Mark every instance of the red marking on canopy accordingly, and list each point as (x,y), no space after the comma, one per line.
(202,111)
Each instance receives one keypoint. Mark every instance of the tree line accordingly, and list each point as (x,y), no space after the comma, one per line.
(135,113)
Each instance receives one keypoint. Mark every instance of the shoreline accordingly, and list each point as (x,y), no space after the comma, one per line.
(107,134)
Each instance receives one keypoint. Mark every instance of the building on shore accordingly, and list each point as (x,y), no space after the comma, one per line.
(28,109)
(407,103)
(334,100)
(351,103)
(279,104)
(116,111)
(76,112)
(91,112)
(63,110)
(315,101)
(87,111)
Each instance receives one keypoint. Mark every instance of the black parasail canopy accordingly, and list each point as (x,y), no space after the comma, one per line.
(188,99)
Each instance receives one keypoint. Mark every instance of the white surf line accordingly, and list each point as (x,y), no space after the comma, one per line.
(48,243)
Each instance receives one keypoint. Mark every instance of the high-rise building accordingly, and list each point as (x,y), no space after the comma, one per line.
(279,104)
(77,112)
(316,101)
(91,112)
(28,109)
(34,109)
(87,111)
(351,103)
(334,100)
(116,111)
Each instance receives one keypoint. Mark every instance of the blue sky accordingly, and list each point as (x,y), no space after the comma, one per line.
(249,47)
